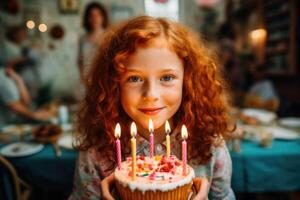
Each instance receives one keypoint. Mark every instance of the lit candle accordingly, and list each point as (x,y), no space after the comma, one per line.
(184,136)
(118,144)
(168,130)
(151,130)
(133,132)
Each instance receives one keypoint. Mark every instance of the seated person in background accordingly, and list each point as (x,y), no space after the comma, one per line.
(15,102)
(16,50)
(262,93)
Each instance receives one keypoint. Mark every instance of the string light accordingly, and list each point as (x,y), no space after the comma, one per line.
(30,24)
(43,27)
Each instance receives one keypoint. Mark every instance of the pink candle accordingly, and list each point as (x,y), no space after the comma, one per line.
(118,145)
(184,157)
(184,136)
(151,130)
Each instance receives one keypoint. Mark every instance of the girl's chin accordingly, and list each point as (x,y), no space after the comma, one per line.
(145,124)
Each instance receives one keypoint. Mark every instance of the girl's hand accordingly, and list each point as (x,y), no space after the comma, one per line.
(105,187)
(202,186)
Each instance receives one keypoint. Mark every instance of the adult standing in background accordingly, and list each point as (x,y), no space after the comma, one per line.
(95,22)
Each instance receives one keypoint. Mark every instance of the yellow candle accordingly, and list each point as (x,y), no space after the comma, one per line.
(133,150)
(168,145)
(168,130)
(133,154)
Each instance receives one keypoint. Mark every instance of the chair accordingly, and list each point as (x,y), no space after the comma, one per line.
(18,188)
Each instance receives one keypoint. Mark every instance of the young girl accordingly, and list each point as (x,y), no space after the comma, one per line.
(158,69)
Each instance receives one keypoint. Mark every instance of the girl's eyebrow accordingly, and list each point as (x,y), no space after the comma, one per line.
(169,70)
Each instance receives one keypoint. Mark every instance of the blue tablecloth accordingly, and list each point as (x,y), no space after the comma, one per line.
(257,169)
(45,171)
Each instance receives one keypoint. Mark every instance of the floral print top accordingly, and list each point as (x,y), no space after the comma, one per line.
(91,168)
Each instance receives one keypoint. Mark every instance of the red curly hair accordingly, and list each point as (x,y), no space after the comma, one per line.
(204,104)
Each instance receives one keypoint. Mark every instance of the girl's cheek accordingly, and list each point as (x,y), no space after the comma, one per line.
(173,96)
(134,91)
(130,94)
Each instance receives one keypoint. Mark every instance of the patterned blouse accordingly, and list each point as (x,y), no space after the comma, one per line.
(91,168)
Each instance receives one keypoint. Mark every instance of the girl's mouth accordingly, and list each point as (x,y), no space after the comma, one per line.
(151,111)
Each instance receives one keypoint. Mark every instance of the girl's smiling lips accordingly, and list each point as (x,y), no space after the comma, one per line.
(151,111)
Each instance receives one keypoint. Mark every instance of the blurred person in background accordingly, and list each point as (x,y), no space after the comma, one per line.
(16,50)
(95,22)
(15,100)
(262,93)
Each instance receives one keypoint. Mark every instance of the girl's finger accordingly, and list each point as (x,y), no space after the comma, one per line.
(105,186)
(203,190)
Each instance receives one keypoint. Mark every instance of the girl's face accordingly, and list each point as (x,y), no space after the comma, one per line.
(95,18)
(151,87)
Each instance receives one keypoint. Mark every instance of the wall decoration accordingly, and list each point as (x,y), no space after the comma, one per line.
(68,6)
(57,32)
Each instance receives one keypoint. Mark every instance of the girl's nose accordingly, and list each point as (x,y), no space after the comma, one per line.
(150,91)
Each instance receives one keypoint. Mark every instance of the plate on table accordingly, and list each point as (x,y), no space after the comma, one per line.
(291,122)
(66,141)
(283,133)
(20,149)
(260,115)
(15,133)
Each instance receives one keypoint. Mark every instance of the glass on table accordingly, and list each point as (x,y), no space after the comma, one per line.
(266,139)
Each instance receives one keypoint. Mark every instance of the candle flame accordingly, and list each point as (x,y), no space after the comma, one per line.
(151,129)
(184,133)
(118,131)
(167,127)
(133,129)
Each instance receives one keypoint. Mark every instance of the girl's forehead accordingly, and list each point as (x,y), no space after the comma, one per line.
(159,44)
(153,59)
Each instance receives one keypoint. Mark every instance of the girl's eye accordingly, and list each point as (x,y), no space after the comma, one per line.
(134,79)
(167,78)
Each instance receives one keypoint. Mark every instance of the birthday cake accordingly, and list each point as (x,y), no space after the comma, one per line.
(156,178)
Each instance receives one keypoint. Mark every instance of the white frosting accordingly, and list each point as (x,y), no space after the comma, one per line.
(163,181)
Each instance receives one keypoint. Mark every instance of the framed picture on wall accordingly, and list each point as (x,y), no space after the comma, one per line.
(68,6)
